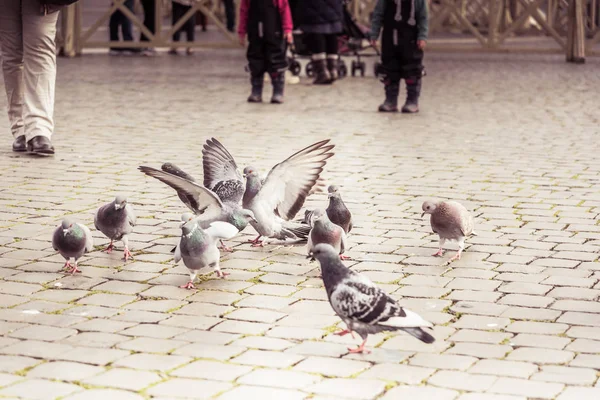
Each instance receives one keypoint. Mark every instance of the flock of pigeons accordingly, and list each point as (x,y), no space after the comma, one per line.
(224,205)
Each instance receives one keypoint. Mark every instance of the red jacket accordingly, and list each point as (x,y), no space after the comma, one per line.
(284,10)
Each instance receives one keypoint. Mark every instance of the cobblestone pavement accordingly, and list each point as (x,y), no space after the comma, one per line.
(513,138)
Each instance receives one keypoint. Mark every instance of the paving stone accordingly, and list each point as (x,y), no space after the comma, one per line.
(488,396)
(211,370)
(279,378)
(521,387)
(310,348)
(480,350)
(38,349)
(257,392)
(269,359)
(541,356)
(420,393)
(96,339)
(574,293)
(122,378)
(566,375)
(243,327)
(579,393)
(461,381)
(154,362)
(543,341)
(47,333)
(348,388)
(122,287)
(443,361)
(64,371)
(579,318)
(102,325)
(577,305)
(285,332)
(526,300)
(100,394)
(16,363)
(468,335)
(110,300)
(188,388)
(331,367)
(151,345)
(154,331)
(94,356)
(586,360)
(516,369)
(264,343)
(39,389)
(255,315)
(537,327)
(400,373)
(191,322)
(7,379)
(481,322)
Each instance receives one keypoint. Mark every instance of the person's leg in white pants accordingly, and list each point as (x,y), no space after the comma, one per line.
(27,41)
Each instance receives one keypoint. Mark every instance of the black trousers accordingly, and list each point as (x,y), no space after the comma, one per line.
(319,43)
(266,55)
(188,26)
(118,19)
(402,61)
(230,15)
(149,18)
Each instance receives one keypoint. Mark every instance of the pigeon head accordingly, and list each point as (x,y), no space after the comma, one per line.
(66,226)
(317,215)
(186,217)
(428,207)
(324,253)
(248,215)
(189,227)
(333,191)
(250,171)
(120,202)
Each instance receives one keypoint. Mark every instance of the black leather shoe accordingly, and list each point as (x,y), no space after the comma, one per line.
(40,145)
(19,144)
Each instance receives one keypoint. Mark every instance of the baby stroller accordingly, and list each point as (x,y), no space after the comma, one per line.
(351,42)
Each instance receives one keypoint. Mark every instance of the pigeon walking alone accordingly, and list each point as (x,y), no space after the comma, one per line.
(276,200)
(219,199)
(364,307)
(451,221)
(337,211)
(116,221)
(72,240)
(325,231)
(198,247)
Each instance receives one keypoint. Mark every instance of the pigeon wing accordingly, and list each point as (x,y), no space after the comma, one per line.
(202,201)
(221,174)
(288,183)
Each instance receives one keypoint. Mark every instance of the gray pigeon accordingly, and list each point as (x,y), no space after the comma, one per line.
(72,240)
(198,247)
(451,221)
(116,220)
(325,231)
(276,200)
(219,198)
(362,305)
(337,211)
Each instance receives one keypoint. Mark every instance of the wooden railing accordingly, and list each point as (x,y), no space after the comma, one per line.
(531,26)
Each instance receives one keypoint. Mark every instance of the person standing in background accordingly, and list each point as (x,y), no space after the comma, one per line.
(180,8)
(120,20)
(149,22)
(230,15)
(322,21)
(27,39)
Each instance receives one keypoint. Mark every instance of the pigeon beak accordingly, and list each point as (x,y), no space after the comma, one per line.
(244,176)
(65,232)
(422,214)
(329,195)
(117,206)
(254,220)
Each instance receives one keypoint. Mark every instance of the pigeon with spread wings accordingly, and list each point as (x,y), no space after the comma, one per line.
(219,198)
(276,200)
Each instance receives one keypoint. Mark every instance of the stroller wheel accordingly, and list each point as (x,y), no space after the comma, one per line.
(295,68)
(354,66)
(363,68)
(342,69)
(377,69)
(310,71)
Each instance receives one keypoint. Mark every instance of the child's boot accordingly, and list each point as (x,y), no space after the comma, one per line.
(392,88)
(322,76)
(257,88)
(278,81)
(413,91)
(332,66)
